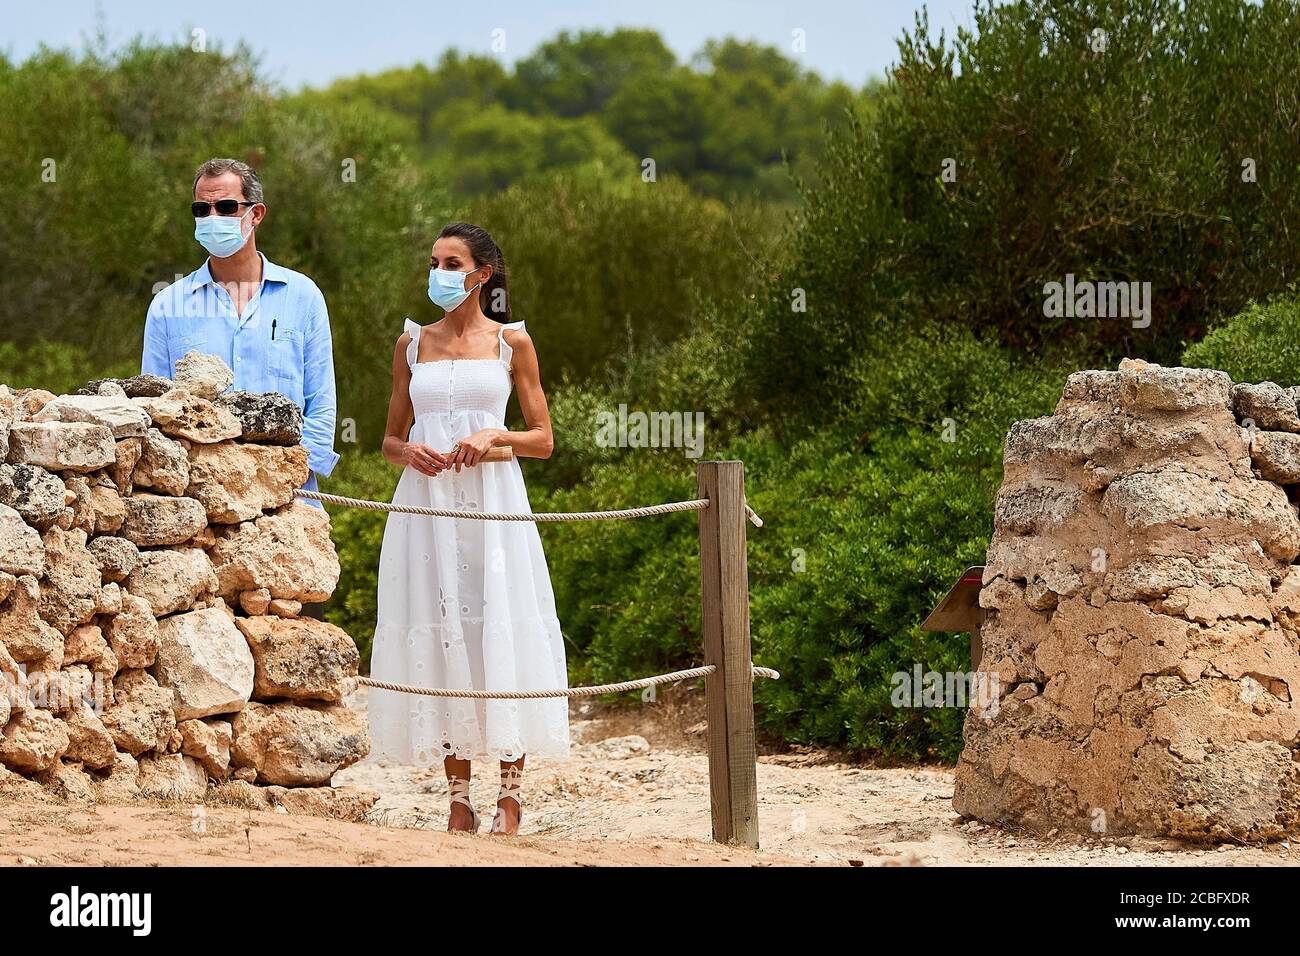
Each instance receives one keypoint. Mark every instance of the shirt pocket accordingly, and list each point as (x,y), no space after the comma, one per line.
(286,361)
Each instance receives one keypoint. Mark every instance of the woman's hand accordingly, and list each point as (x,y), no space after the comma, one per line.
(425,460)
(470,450)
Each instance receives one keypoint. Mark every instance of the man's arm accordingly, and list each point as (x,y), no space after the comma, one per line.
(318,389)
(155,360)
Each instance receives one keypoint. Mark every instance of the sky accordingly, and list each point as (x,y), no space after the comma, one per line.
(311,42)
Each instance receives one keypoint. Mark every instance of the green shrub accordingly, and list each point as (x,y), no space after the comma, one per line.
(1260,343)
(57,367)
(358,535)
(1125,164)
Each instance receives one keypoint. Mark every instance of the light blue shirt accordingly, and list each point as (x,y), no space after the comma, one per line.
(281,343)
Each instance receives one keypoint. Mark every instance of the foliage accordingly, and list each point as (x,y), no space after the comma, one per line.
(1125,164)
(1260,343)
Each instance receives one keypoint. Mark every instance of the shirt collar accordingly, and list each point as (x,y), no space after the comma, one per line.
(271,272)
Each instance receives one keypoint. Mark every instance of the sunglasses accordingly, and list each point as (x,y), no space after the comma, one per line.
(224,207)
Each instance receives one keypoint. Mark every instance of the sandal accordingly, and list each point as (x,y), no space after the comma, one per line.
(511,775)
(459,790)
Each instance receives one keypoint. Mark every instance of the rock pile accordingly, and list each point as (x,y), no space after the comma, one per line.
(1142,613)
(153,564)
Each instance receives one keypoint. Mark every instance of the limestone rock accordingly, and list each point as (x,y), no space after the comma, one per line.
(237,482)
(172,580)
(1266,406)
(1156,388)
(138,386)
(33,492)
(268,418)
(161,520)
(203,375)
(179,414)
(78,499)
(31,401)
(119,415)
(25,635)
(299,657)
(1141,612)
(61,446)
(287,552)
(129,451)
(132,633)
(70,590)
(208,742)
(163,466)
(8,415)
(141,716)
(121,781)
(21,549)
(1277,456)
(336,803)
(256,602)
(117,557)
(69,781)
(205,660)
(33,740)
(283,607)
(88,739)
(298,744)
(107,508)
(172,776)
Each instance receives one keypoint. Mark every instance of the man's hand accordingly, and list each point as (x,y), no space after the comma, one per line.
(426,460)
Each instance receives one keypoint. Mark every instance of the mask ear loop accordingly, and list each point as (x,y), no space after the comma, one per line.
(477,285)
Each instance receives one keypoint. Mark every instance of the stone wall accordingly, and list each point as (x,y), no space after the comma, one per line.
(1142,613)
(153,565)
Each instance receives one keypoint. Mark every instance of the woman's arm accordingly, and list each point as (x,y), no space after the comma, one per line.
(401,416)
(536,440)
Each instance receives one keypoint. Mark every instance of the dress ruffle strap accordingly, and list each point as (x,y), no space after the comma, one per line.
(507,352)
(412,347)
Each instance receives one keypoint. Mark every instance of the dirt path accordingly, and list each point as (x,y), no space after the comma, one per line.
(633,793)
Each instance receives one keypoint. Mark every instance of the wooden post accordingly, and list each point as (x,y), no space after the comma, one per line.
(724,602)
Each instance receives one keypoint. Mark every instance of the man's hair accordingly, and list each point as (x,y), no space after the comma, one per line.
(248,181)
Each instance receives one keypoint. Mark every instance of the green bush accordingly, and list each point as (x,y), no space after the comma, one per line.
(1260,343)
(358,535)
(605,267)
(1125,164)
(55,366)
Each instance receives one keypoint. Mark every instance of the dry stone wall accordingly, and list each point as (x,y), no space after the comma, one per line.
(1143,604)
(153,566)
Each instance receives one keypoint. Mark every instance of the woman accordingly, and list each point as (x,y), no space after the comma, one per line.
(463,602)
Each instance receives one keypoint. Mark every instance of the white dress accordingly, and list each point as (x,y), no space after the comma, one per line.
(462,602)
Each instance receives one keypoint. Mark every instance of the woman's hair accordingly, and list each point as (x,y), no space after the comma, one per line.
(486,253)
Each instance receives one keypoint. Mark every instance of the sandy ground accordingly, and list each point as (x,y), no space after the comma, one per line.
(634,792)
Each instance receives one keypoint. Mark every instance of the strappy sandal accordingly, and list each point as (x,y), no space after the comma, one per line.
(511,775)
(458,787)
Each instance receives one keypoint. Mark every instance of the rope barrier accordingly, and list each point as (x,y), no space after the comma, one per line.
(697,504)
(351,683)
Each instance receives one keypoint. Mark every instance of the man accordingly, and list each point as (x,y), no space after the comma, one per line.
(268,323)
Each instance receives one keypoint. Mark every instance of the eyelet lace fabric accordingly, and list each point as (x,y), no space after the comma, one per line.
(464,603)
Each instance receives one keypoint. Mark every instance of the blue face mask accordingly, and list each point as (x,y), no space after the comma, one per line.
(447,288)
(222,236)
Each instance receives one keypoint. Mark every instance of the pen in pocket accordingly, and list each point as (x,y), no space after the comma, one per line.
(273,328)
